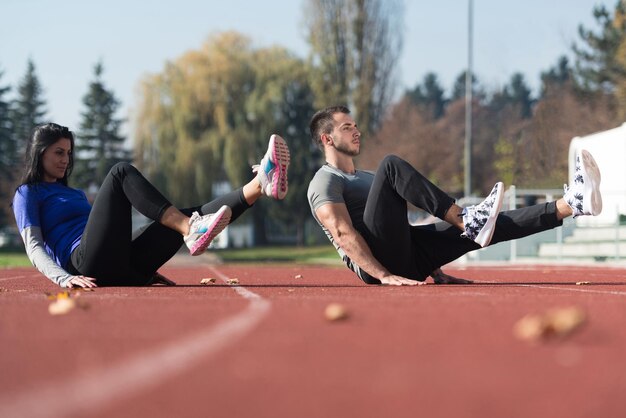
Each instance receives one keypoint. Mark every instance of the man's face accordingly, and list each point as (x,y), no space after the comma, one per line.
(346,138)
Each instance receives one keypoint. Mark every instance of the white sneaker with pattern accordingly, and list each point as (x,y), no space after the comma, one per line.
(480,220)
(583,195)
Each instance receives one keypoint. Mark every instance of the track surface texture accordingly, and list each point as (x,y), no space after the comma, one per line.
(264,348)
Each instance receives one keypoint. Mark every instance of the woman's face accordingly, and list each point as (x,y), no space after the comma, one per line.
(56,159)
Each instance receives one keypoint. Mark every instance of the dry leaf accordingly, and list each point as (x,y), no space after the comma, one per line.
(61,306)
(335,312)
(59,295)
(582,283)
(232,281)
(207,280)
(297,276)
(558,322)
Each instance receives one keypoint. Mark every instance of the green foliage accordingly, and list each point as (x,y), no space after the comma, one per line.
(505,164)
(516,94)
(207,118)
(556,76)
(7,153)
(459,91)
(598,67)
(429,96)
(14,259)
(99,145)
(28,109)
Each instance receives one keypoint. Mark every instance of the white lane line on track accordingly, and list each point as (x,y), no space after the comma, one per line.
(569,289)
(4,279)
(81,394)
(20,277)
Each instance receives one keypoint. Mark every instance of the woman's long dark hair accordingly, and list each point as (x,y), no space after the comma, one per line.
(43,136)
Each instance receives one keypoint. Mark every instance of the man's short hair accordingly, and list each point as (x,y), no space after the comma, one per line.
(322,122)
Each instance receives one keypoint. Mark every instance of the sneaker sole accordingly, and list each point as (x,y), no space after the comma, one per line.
(592,199)
(280,157)
(484,236)
(218,223)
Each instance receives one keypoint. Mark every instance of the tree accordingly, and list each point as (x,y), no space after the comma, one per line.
(208,116)
(99,145)
(355,46)
(598,67)
(28,109)
(458,90)
(7,153)
(556,76)
(429,96)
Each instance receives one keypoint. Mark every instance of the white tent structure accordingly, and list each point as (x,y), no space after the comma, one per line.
(609,151)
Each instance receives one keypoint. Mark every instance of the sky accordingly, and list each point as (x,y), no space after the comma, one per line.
(133,38)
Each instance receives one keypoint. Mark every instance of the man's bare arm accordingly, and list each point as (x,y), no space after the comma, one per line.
(335,218)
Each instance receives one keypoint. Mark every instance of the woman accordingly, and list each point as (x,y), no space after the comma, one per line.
(75,244)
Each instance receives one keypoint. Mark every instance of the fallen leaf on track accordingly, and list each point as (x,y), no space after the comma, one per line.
(61,306)
(232,281)
(558,322)
(335,312)
(64,302)
(297,276)
(207,280)
(582,283)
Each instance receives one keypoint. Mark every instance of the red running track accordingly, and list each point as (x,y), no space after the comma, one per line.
(265,349)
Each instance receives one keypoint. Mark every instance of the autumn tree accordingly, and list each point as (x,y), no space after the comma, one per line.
(208,116)
(355,46)
(99,144)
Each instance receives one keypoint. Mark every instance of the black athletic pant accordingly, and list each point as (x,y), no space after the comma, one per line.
(107,251)
(416,251)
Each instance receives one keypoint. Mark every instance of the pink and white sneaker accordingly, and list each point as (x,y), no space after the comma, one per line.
(272,170)
(202,229)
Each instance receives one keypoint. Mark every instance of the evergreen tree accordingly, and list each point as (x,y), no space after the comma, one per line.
(458,90)
(519,93)
(429,96)
(598,67)
(7,153)
(99,145)
(28,109)
(7,142)
(516,93)
(559,74)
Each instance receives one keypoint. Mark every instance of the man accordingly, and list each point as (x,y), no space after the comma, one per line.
(365,214)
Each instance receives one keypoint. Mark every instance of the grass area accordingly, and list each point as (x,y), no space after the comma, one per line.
(316,254)
(14,259)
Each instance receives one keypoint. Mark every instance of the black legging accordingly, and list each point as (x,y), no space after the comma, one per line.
(107,251)
(416,251)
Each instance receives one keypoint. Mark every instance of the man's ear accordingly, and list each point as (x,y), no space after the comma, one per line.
(327,139)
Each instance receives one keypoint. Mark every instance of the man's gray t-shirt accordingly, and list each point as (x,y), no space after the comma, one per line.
(331,185)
